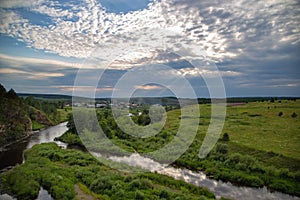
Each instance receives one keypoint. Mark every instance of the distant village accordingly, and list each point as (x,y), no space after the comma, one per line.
(103,105)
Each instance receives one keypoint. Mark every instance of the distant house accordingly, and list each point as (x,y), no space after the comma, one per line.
(77,104)
(100,105)
(130,115)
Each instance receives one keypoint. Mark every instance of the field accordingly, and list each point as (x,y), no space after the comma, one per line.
(259,126)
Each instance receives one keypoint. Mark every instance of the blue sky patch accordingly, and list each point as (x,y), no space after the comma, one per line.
(124,6)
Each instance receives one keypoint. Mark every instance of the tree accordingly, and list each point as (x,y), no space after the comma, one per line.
(11,94)
(294,115)
(71,124)
(280,114)
(225,137)
(2,91)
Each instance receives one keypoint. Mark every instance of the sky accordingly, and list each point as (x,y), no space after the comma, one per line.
(151,47)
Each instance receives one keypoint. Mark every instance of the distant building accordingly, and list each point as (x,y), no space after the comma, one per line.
(77,104)
(100,105)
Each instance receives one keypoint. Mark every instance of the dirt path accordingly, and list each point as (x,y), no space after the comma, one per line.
(81,195)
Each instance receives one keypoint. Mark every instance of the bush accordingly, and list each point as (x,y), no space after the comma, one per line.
(294,115)
(225,137)
(280,114)
(139,195)
(164,194)
(101,184)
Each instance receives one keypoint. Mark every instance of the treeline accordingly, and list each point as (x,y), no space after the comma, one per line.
(20,116)
(259,99)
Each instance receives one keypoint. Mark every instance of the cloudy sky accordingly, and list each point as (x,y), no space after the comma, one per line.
(253,46)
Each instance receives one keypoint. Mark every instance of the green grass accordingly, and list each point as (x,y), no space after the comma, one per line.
(58,171)
(37,126)
(258,126)
(63,114)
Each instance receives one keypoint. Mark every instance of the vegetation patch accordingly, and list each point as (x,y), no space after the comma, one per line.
(66,173)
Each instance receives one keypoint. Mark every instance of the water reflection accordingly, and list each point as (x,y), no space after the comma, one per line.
(13,154)
(44,195)
(48,135)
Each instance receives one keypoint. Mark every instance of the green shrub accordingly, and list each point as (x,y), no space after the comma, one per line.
(139,195)
(225,137)
(101,184)
(164,194)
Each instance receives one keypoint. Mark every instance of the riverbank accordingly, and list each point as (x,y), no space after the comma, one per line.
(4,147)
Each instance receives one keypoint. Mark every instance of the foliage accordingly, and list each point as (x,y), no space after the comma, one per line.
(58,170)
(20,116)
(294,115)
(225,137)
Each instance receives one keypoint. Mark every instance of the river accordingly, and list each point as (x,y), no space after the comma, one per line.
(14,155)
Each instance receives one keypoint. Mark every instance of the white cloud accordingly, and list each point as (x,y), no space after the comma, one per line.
(30,75)
(83,88)
(223,29)
(19,3)
(149,87)
(22,61)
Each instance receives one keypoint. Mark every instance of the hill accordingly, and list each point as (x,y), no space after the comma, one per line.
(19,116)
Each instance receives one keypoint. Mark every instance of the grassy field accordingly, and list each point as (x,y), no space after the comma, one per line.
(259,126)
